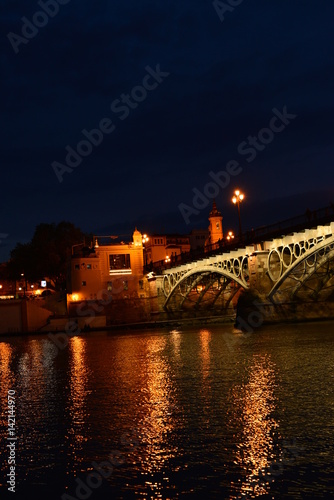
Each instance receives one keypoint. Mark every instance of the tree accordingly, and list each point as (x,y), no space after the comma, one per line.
(47,254)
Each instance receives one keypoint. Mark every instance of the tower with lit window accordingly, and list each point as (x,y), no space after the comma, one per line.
(215,226)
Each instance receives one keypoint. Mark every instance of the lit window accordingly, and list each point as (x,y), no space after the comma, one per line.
(125,285)
(119,262)
(89,266)
(109,286)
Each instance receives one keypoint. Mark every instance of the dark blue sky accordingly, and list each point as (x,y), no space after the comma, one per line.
(224,79)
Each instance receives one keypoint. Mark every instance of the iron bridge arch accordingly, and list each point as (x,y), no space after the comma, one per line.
(191,278)
(297,267)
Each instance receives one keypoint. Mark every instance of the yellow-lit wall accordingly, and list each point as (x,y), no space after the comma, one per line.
(91,276)
(215,229)
(159,247)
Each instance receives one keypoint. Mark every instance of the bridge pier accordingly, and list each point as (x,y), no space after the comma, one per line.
(259,280)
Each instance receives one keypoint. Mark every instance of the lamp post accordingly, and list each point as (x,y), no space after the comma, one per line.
(237,199)
(145,239)
(25,285)
(230,236)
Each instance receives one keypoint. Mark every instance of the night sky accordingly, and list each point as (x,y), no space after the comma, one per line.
(213,74)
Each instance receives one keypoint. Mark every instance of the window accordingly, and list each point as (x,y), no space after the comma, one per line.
(109,286)
(119,263)
(125,285)
(89,266)
(77,267)
(141,284)
(217,225)
(83,283)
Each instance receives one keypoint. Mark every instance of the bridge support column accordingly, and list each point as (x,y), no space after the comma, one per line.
(253,308)
(259,280)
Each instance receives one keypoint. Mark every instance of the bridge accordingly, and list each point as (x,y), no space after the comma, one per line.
(292,269)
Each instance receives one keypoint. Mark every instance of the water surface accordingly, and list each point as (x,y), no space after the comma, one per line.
(193,413)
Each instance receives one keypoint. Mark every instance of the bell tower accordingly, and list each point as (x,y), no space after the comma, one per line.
(137,238)
(215,226)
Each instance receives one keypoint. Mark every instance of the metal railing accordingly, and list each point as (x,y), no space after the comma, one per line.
(308,220)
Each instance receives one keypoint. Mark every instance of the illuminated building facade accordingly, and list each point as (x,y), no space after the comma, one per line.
(113,268)
(165,247)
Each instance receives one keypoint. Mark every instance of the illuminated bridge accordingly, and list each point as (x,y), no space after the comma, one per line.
(294,269)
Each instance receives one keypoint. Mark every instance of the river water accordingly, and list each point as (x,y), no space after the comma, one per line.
(188,413)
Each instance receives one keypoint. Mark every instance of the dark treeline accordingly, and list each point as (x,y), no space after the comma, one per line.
(47,254)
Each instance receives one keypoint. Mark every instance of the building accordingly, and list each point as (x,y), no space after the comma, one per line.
(165,247)
(215,229)
(116,269)
(197,238)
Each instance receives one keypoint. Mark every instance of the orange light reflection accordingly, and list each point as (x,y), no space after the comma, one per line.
(158,421)
(5,371)
(256,403)
(205,338)
(78,388)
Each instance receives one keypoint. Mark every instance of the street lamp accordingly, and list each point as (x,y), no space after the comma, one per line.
(230,236)
(145,239)
(237,199)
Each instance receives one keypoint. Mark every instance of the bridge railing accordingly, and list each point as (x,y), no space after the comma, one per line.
(306,221)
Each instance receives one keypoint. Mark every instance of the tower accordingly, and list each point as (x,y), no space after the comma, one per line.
(215,226)
(137,238)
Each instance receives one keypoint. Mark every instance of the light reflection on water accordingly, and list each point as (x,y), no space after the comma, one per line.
(6,377)
(78,408)
(254,406)
(212,413)
(158,421)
